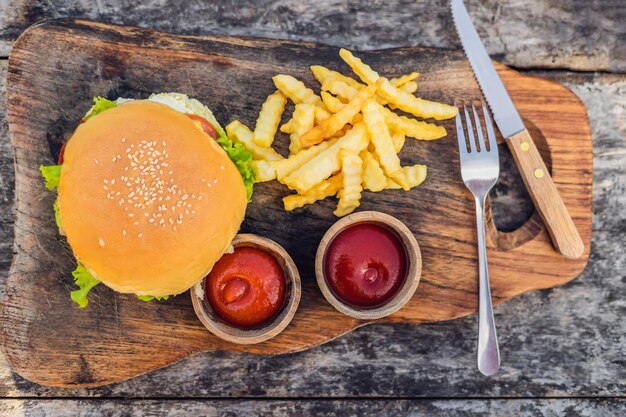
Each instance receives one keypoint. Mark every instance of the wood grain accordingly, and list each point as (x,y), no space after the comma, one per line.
(529,34)
(545,195)
(118,337)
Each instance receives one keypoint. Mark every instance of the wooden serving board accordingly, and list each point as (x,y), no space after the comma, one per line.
(56,68)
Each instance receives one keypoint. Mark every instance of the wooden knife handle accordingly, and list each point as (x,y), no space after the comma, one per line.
(545,196)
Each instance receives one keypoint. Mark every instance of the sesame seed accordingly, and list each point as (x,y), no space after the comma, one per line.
(124,232)
(222,167)
(215,181)
(140,235)
(101,242)
(96,161)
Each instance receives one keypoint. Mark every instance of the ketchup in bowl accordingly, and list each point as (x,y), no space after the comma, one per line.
(246,288)
(365,265)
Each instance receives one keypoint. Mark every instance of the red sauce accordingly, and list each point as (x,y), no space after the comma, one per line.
(246,288)
(62,153)
(206,126)
(365,265)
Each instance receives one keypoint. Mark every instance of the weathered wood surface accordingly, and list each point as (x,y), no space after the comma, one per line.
(118,337)
(567,341)
(575,34)
(317,408)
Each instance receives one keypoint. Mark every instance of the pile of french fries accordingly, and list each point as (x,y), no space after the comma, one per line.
(345,140)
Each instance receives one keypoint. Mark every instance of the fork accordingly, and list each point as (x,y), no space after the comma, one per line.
(480,168)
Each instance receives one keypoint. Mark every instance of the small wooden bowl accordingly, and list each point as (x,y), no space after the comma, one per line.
(266,331)
(413,255)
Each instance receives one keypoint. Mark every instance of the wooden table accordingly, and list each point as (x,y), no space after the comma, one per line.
(563,350)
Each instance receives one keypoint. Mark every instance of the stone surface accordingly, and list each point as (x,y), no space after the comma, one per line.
(343,408)
(574,34)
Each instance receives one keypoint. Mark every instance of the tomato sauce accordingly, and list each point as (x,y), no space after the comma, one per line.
(246,288)
(365,265)
(208,128)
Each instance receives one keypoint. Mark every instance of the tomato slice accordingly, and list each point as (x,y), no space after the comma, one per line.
(206,126)
(61,153)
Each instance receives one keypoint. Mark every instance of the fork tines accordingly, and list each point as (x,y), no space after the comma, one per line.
(474,146)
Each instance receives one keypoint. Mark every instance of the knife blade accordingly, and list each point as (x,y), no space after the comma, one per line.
(536,176)
(504,112)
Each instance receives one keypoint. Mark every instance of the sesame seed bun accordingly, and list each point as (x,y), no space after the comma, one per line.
(147,200)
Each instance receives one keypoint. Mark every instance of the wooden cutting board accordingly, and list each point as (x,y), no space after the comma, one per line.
(56,68)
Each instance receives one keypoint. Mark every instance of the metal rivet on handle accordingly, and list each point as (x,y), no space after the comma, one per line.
(539,173)
(525,146)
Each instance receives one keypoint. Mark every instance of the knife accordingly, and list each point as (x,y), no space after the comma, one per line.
(536,177)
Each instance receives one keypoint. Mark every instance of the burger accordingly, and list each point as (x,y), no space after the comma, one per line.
(150,194)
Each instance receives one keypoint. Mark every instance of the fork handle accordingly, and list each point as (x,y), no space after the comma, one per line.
(488,355)
(545,196)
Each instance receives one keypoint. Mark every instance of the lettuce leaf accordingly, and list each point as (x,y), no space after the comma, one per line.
(57,215)
(85,282)
(100,104)
(242,159)
(52,175)
(150,297)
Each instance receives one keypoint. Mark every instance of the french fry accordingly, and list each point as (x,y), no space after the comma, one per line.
(240,133)
(374,117)
(400,81)
(287,127)
(398,138)
(322,73)
(410,87)
(413,174)
(325,163)
(332,103)
(338,120)
(268,120)
(400,98)
(303,121)
(296,91)
(321,191)
(374,178)
(321,114)
(346,92)
(414,128)
(350,194)
(339,88)
(286,166)
(263,170)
